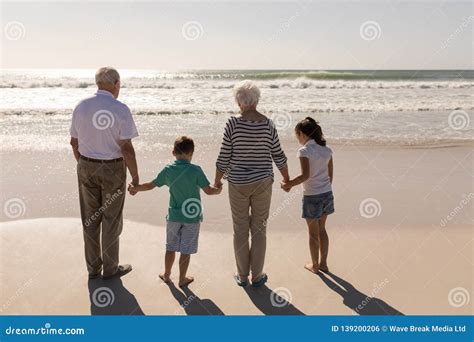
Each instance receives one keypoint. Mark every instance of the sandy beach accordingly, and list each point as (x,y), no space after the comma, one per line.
(362,110)
(401,239)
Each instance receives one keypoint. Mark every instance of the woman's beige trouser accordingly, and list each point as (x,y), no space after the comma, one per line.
(250,205)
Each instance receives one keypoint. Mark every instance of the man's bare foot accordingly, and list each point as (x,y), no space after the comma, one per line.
(165,277)
(324,268)
(186,281)
(312,268)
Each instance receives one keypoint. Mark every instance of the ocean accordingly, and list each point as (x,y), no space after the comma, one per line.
(404,108)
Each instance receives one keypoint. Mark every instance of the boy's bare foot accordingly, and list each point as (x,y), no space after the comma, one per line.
(186,281)
(324,268)
(312,268)
(165,277)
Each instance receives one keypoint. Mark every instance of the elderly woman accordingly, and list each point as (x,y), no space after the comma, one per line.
(249,146)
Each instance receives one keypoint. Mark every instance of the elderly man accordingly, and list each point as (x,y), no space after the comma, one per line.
(101,132)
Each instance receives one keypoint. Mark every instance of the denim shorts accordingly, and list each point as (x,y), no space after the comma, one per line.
(315,206)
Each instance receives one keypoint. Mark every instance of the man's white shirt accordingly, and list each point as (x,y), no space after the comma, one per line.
(99,123)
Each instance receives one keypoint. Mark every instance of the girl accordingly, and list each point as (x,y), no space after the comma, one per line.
(316,177)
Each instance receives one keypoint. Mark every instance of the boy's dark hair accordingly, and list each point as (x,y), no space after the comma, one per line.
(311,128)
(183,145)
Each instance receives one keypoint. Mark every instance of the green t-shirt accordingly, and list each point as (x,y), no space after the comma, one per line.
(184,181)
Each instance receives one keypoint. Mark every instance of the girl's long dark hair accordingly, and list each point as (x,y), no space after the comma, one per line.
(311,128)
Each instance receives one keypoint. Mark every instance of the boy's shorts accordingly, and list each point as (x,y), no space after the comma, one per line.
(182,237)
(315,206)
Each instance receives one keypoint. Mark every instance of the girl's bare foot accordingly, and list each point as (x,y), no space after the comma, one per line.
(312,268)
(186,281)
(165,277)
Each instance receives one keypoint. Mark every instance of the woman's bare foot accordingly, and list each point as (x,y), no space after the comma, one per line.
(312,268)
(324,268)
(165,277)
(186,281)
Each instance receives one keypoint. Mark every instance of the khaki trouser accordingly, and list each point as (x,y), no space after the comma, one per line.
(101,197)
(255,197)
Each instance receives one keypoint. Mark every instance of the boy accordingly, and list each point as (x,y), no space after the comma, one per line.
(185,211)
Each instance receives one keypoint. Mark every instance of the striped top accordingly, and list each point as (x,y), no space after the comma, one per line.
(248,149)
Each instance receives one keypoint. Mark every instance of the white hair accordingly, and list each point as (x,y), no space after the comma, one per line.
(246,93)
(106,76)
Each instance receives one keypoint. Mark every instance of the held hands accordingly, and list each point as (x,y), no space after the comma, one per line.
(132,189)
(218,187)
(217,190)
(212,190)
(286,185)
(218,184)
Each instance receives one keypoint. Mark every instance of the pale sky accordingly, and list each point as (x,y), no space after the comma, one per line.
(238,35)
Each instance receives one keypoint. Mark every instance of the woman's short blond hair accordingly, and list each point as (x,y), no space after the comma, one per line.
(106,76)
(246,93)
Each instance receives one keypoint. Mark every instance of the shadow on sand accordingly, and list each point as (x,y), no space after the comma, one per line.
(271,303)
(359,302)
(192,304)
(110,297)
